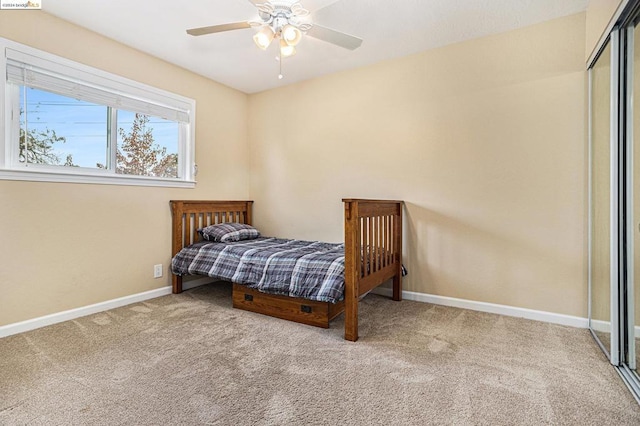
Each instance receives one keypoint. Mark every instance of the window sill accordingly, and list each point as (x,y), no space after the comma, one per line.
(35,176)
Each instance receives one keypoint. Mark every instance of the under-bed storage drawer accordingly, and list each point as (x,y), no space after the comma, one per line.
(293,309)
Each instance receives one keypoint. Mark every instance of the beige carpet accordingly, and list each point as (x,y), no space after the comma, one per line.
(192,359)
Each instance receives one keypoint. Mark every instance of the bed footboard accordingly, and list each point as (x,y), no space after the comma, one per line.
(373,253)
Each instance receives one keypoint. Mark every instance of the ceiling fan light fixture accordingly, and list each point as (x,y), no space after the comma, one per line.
(291,35)
(264,37)
(286,50)
(283,20)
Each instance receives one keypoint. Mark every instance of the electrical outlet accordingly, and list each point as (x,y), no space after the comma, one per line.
(157,271)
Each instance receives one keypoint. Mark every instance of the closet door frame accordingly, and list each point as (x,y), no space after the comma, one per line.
(629,303)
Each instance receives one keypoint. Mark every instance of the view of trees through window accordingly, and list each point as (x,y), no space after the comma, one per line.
(57,130)
(139,154)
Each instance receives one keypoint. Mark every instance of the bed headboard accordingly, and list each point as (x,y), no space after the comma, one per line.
(190,215)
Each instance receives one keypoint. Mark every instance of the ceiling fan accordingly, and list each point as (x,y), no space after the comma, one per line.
(287,22)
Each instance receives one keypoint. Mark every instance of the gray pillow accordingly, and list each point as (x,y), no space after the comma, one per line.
(227,232)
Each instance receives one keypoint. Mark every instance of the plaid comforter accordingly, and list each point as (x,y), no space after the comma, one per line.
(296,268)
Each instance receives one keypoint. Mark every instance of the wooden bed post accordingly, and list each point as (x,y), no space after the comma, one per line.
(352,267)
(397,279)
(176,283)
(248,218)
(176,241)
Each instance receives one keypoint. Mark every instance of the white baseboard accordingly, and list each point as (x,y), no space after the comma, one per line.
(32,324)
(493,308)
(605,327)
(550,317)
(601,326)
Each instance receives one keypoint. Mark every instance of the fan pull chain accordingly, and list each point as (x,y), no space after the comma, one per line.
(280,76)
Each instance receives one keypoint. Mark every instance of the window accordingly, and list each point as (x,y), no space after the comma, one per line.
(67,122)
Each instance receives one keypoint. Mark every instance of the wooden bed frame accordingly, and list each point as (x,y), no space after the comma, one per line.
(373,255)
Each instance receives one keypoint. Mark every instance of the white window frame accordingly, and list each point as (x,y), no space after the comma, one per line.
(144,98)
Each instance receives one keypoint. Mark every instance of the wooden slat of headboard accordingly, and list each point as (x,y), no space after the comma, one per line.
(190,215)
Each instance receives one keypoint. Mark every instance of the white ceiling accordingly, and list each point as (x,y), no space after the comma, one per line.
(389,28)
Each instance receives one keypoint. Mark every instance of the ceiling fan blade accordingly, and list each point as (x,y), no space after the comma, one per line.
(218,28)
(335,37)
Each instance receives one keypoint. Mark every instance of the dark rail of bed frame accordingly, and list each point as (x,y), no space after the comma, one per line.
(372,236)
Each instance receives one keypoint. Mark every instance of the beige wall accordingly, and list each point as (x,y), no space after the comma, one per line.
(599,14)
(485,142)
(69,245)
(483,139)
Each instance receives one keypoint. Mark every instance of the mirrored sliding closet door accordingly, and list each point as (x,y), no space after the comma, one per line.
(614,196)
